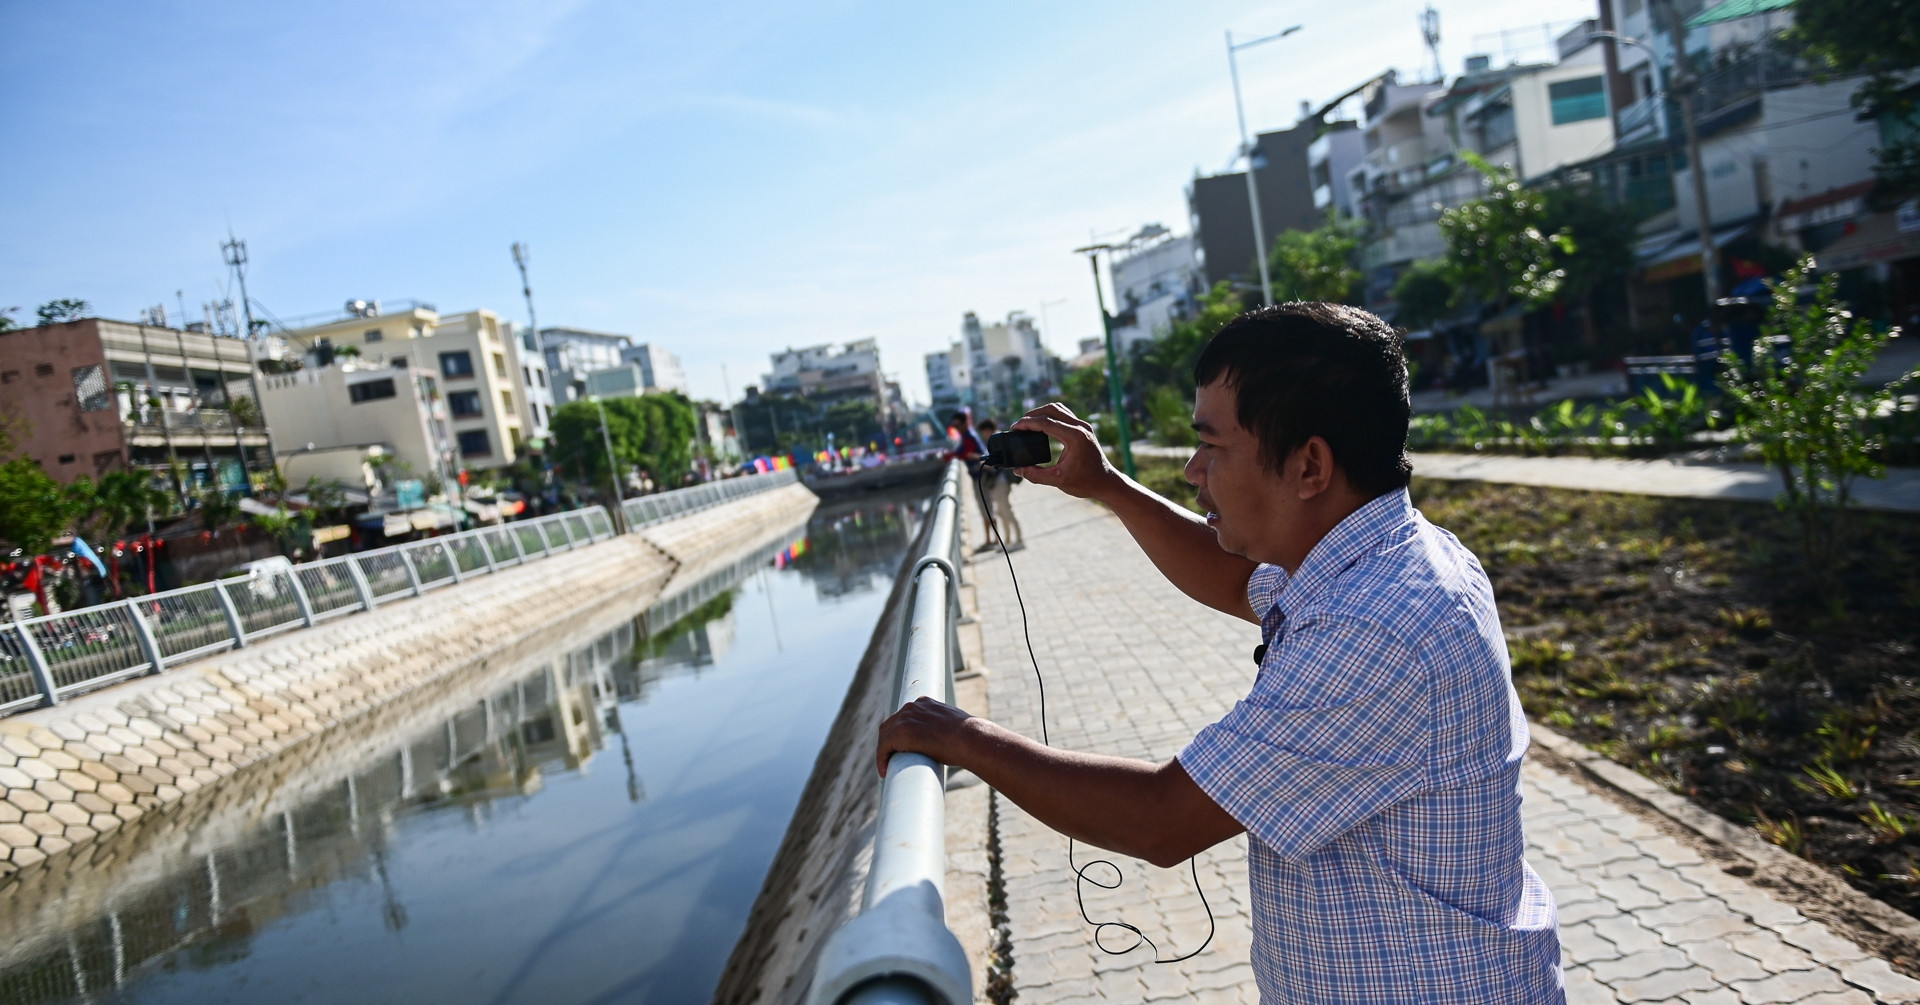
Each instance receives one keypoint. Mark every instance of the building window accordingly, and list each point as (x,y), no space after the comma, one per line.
(519,441)
(1577,100)
(526,374)
(66,458)
(456,364)
(9,376)
(464,404)
(43,369)
(373,335)
(506,401)
(474,443)
(371,390)
(541,376)
(499,366)
(90,386)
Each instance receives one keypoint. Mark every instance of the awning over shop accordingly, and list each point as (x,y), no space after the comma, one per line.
(1733,9)
(1671,256)
(1878,239)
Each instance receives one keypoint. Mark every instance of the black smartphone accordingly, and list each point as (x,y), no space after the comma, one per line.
(1018,448)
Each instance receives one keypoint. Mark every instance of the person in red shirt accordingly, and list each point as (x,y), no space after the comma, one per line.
(971,449)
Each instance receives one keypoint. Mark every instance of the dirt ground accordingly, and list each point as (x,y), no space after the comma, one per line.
(1680,637)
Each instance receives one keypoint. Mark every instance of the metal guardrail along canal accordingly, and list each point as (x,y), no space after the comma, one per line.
(899,951)
(47,659)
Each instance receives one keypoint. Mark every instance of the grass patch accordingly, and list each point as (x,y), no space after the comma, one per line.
(1676,636)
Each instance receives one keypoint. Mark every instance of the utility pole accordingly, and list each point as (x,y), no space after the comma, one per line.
(1115,397)
(520,256)
(234,251)
(1685,86)
(1253,191)
(613,467)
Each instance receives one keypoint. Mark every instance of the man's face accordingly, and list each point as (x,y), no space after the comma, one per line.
(1247,505)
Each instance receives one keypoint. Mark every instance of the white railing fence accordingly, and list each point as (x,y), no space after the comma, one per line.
(44,660)
(899,950)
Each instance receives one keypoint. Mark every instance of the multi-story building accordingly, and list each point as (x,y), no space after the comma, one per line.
(572,353)
(947,380)
(659,369)
(476,363)
(1155,283)
(825,374)
(1534,119)
(358,403)
(536,384)
(92,396)
(1331,159)
(1222,221)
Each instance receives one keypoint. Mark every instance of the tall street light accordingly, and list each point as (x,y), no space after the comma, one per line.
(1114,395)
(613,467)
(1247,151)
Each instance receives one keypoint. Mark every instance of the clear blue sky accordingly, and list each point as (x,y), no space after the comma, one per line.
(721,178)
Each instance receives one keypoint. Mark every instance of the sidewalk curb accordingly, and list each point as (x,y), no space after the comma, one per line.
(1816,892)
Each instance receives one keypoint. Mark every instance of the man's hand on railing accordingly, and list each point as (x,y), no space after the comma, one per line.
(925,726)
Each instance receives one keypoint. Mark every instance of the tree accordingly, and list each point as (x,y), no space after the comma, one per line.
(1501,244)
(772,422)
(1424,294)
(1802,404)
(54,312)
(1880,38)
(1605,237)
(653,432)
(1318,264)
(119,500)
(34,509)
(852,422)
(1168,360)
(1085,390)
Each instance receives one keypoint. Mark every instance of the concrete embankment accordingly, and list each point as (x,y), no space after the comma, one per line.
(146,762)
(819,875)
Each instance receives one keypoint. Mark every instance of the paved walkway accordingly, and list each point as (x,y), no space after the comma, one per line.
(1134,668)
(1898,491)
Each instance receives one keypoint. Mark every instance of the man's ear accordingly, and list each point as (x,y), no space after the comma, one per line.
(1315,459)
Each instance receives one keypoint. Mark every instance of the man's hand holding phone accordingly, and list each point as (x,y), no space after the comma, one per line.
(1082,470)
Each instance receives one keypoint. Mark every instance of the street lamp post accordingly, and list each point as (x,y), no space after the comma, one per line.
(613,467)
(1247,151)
(1115,397)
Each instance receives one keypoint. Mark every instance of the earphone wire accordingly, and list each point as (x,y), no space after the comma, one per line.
(1080,871)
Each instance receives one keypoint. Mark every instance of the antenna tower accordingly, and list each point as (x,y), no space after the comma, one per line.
(234,251)
(1430,31)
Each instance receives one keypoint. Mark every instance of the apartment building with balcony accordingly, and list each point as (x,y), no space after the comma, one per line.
(478,368)
(1155,283)
(1534,119)
(96,395)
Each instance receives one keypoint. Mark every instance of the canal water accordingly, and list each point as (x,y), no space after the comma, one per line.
(592,827)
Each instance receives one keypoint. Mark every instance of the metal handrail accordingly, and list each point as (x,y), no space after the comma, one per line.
(645,511)
(47,659)
(899,948)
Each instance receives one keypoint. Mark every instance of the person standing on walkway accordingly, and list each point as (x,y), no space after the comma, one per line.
(971,449)
(1374,763)
(998,484)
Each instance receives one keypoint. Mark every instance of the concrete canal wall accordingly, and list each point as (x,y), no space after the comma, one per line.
(819,875)
(151,755)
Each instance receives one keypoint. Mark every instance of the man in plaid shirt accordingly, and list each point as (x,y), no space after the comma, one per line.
(1375,762)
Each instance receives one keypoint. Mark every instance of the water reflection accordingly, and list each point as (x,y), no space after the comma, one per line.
(488,857)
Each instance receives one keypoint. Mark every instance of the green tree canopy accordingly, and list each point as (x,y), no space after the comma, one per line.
(1424,294)
(852,422)
(1880,38)
(1318,264)
(1168,360)
(120,500)
(54,312)
(653,432)
(1503,244)
(34,509)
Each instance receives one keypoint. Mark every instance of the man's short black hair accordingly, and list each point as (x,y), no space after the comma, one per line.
(1301,370)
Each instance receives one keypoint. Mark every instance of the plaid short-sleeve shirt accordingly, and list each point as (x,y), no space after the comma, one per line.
(1376,765)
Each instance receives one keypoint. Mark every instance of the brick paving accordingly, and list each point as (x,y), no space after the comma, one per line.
(1134,668)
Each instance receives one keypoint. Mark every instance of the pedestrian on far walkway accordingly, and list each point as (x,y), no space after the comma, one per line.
(971,449)
(1374,764)
(998,483)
